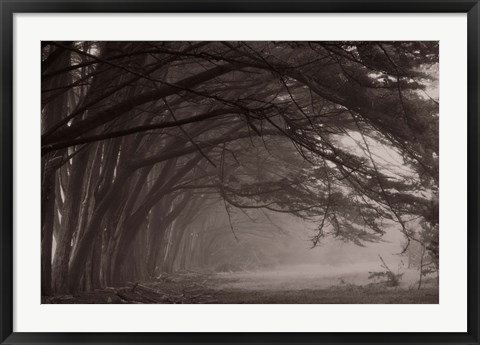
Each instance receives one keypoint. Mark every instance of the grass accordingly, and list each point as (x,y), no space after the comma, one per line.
(218,289)
(334,295)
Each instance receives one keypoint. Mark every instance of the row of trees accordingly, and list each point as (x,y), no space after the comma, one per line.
(145,145)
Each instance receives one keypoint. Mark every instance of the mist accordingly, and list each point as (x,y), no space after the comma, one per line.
(240,172)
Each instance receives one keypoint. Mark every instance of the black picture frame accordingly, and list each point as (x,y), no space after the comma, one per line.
(9,8)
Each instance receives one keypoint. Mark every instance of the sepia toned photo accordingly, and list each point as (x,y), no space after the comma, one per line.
(240,172)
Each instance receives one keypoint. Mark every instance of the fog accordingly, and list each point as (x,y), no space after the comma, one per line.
(200,172)
(286,260)
(309,276)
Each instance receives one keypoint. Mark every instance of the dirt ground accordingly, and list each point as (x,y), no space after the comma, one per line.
(194,288)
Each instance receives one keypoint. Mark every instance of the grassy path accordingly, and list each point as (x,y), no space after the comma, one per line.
(195,288)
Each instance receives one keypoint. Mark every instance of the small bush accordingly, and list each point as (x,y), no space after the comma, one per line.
(387,276)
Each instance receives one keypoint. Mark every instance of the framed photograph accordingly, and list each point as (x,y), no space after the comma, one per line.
(239,172)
